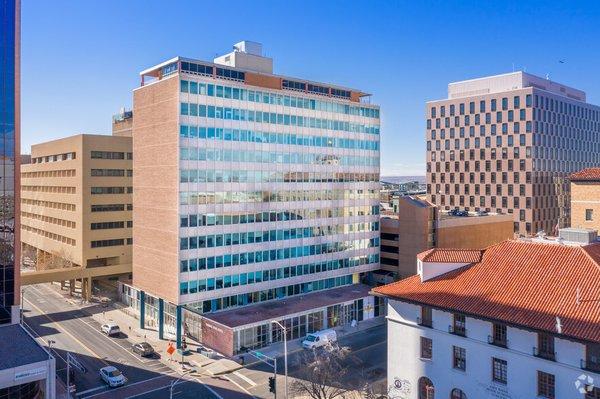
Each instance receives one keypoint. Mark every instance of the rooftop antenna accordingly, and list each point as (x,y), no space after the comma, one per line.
(547,76)
(558,325)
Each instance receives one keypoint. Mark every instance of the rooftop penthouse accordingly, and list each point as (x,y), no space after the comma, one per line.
(246,64)
(508,82)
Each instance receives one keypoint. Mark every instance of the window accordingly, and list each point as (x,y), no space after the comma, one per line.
(545,347)
(108,208)
(108,155)
(426,389)
(457,394)
(592,357)
(594,393)
(426,348)
(499,370)
(460,325)
(589,214)
(426,319)
(499,335)
(545,385)
(459,358)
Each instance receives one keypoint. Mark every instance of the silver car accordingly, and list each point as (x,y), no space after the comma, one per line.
(112,376)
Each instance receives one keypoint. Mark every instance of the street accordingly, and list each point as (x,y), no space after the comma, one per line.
(368,357)
(51,317)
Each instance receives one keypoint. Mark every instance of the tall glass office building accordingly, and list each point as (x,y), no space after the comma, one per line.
(9,141)
(254,194)
(27,371)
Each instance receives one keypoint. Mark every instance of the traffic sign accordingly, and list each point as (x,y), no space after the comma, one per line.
(72,360)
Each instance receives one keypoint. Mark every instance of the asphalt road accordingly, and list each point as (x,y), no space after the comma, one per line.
(49,316)
(368,358)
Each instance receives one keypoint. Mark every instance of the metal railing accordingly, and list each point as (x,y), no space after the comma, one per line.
(544,354)
(462,331)
(425,322)
(590,365)
(497,342)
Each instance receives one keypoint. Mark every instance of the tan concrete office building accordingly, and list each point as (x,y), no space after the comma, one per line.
(76,205)
(585,199)
(416,225)
(507,144)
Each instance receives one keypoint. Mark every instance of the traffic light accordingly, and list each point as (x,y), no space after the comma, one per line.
(183,344)
(272,384)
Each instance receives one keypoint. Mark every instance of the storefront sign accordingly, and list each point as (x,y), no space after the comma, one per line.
(21,375)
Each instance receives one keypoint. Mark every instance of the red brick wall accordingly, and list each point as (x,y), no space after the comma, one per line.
(217,337)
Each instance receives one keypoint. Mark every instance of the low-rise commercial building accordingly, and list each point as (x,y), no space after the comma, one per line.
(76,209)
(519,319)
(415,225)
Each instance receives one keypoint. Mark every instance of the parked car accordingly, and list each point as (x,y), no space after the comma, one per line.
(319,339)
(110,329)
(112,376)
(143,349)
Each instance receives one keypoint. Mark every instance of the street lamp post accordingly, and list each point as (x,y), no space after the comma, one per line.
(284,355)
(22,305)
(50,343)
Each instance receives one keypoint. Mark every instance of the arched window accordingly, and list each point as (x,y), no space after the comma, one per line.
(426,390)
(457,394)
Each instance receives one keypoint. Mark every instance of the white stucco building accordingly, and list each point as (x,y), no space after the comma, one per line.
(520,319)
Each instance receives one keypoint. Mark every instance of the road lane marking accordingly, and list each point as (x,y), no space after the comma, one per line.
(91,390)
(58,327)
(243,377)
(147,392)
(238,385)
(209,388)
(130,385)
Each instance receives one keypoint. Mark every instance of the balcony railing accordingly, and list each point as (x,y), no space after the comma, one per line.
(590,365)
(425,322)
(456,330)
(544,354)
(498,342)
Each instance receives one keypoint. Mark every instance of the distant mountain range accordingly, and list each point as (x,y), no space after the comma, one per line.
(402,179)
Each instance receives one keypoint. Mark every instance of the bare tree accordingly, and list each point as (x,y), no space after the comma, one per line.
(321,374)
(56,260)
(28,257)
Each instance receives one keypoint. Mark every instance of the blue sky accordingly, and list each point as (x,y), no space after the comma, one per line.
(81,59)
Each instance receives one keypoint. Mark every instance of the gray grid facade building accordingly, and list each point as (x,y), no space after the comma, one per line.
(506,144)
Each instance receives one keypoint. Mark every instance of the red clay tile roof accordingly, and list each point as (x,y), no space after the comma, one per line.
(449,255)
(521,283)
(589,174)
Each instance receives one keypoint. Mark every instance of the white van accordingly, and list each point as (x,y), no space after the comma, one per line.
(319,339)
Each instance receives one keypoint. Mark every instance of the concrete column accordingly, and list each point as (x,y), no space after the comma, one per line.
(161,319)
(178,323)
(142,310)
(86,289)
(50,388)
(71,287)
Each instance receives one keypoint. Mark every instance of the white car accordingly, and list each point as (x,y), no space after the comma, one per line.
(112,376)
(110,329)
